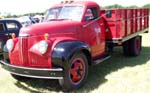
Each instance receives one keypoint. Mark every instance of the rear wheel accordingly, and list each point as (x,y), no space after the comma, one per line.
(126,48)
(136,46)
(76,72)
(132,47)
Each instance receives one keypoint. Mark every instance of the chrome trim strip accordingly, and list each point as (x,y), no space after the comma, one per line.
(101,60)
(42,77)
(28,68)
(28,71)
(22,58)
(24,35)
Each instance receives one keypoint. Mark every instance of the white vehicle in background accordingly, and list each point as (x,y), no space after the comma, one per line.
(38,18)
(26,20)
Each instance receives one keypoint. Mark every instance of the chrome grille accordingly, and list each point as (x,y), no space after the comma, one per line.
(24,50)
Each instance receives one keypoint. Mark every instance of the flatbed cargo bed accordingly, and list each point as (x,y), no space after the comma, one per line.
(125,24)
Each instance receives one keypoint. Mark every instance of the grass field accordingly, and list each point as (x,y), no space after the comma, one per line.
(119,74)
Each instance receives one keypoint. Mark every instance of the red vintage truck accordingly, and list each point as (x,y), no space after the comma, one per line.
(72,37)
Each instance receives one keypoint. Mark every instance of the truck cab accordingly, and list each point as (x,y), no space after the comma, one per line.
(89,26)
(61,47)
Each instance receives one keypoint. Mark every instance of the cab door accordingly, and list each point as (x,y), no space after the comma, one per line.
(93,32)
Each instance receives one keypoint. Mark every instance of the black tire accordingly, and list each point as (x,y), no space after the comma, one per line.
(135,46)
(76,72)
(132,47)
(126,48)
(19,78)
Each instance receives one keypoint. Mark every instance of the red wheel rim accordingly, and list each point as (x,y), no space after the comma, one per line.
(77,70)
(138,45)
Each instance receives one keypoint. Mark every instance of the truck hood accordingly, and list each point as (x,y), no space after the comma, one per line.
(52,28)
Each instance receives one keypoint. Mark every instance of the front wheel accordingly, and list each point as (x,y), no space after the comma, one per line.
(76,72)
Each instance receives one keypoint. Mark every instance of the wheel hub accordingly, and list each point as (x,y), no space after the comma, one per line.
(77,70)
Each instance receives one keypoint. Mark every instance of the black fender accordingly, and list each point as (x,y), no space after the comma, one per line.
(63,52)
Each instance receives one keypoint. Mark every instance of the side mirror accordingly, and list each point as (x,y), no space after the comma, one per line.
(108,13)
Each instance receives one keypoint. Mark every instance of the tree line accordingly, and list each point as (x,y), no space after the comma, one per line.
(105,7)
(120,6)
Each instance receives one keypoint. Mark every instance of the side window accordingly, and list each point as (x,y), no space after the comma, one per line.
(91,13)
(1,27)
(12,26)
(88,15)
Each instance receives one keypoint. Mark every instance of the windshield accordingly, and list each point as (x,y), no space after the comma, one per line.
(65,12)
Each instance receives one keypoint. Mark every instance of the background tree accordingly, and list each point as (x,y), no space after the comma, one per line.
(105,7)
(113,6)
(132,6)
(147,6)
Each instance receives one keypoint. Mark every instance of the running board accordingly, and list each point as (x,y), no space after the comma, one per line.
(102,59)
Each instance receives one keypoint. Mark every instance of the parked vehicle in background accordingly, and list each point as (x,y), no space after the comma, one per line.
(26,20)
(74,36)
(37,18)
(7,27)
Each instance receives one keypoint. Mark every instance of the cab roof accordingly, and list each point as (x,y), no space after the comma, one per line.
(76,3)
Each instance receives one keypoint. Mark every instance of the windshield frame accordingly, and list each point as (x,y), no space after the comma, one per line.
(74,18)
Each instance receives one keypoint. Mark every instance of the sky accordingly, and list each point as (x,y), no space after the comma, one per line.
(32,6)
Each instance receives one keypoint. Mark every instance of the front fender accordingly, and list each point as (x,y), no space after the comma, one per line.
(63,52)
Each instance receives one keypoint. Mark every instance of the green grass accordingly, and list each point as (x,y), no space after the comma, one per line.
(119,74)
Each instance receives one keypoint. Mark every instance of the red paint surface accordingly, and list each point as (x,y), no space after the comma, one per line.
(122,23)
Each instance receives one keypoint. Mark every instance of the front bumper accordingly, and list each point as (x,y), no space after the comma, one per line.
(45,73)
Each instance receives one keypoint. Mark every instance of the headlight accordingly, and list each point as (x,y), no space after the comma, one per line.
(10,44)
(41,46)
